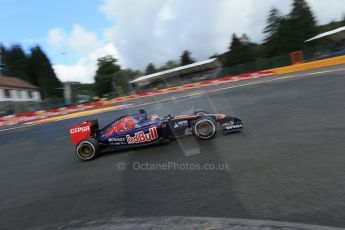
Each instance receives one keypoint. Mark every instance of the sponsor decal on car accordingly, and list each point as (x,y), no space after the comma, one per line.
(116,139)
(229,127)
(180,123)
(122,125)
(141,137)
(228,123)
(79,129)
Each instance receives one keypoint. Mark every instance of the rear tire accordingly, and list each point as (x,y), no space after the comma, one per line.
(204,128)
(87,149)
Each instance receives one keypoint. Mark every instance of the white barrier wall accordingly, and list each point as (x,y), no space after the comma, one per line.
(2,94)
(19,95)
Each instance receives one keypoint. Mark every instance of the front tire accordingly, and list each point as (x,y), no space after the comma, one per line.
(87,149)
(204,128)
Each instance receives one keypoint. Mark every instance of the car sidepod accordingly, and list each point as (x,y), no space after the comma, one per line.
(139,136)
(180,127)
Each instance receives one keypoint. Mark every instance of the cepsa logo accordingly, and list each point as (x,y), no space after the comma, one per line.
(79,129)
(141,137)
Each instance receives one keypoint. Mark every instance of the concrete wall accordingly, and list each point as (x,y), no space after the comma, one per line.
(19,106)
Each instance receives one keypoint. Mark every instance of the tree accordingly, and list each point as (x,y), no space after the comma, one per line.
(228,58)
(3,56)
(82,91)
(301,25)
(122,78)
(41,73)
(215,55)
(287,34)
(241,50)
(276,33)
(169,65)
(330,26)
(14,62)
(186,58)
(150,69)
(107,68)
(273,24)
(34,68)
(244,39)
(235,44)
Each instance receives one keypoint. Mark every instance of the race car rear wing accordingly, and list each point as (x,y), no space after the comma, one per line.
(83,130)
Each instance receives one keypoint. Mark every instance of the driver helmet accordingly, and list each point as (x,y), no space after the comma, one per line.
(154,117)
(141,116)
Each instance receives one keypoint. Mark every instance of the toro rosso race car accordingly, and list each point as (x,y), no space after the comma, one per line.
(138,129)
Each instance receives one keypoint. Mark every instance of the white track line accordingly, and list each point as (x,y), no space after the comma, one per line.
(18,127)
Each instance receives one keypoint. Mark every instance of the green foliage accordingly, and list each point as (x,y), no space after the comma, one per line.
(150,69)
(331,26)
(3,60)
(283,34)
(14,62)
(169,65)
(34,68)
(287,34)
(107,67)
(82,89)
(215,55)
(41,73)
(273,23)
(302,25)
(240,50)
(186,58)
(272,41)
(121,80)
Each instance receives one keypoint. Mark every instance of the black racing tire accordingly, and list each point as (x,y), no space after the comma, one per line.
(200,113)
(204,128)
(87,149)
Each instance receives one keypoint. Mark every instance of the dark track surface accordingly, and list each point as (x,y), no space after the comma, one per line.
(287,164)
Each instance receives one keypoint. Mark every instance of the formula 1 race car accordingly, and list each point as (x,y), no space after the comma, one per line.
(138,130)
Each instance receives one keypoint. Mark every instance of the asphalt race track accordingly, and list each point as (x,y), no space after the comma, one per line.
(287,164)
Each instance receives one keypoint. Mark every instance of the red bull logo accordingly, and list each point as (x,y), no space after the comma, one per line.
(141,137)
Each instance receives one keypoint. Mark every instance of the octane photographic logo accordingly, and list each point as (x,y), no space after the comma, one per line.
(141,137)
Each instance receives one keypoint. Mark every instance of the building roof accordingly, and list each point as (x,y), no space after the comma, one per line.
(336,34)
(186,69)
(13,82)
